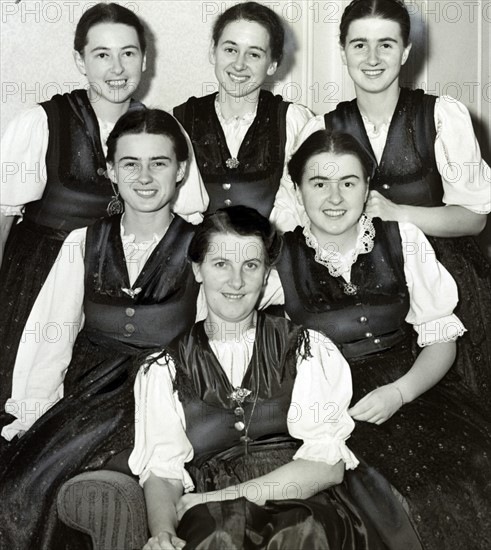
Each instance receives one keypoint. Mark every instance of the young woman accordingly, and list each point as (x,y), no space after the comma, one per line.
(61,143)
(243,135)
(127,281)
(363,283)
(238,394)
(440,184)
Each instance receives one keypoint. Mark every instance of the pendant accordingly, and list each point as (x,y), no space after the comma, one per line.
(232,163)
(239,395)
(115,206)
(132,293)
(350,289)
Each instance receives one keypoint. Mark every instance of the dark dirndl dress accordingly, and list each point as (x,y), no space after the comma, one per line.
(416,181)
(361,512)
(436,450)
(94,422)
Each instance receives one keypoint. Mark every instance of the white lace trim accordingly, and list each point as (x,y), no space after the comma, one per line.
(244,120)
(336,263)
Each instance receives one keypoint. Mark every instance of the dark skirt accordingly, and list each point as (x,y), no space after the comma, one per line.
(30,252)
(472,272)
(361,512)
(436,451)
(93,423)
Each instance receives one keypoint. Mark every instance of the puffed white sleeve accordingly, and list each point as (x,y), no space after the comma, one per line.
(433,293)
(192,198)
(300,124)
(161,445)
(466,177)
(318,413)
(46,344)
(23,158)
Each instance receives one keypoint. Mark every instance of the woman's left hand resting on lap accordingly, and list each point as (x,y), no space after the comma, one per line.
(378,405)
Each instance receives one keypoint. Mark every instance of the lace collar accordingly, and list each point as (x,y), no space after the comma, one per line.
(130,238)
(336,263)
(244,120)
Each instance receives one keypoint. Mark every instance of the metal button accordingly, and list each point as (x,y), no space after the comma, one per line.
(368,334)
(226,186)
(376,341)
(363,319)
(129,328)
(227,202)
(130,311)
(386,186)
(101,171)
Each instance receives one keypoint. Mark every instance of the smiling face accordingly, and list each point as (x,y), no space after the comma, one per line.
(334,190)
(233,274)
(146,170)
(112,61)
(374,53)
(242,58)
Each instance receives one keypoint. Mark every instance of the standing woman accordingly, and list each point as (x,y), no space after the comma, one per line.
(64,140)
(119,287)
(429,169)
(242,135)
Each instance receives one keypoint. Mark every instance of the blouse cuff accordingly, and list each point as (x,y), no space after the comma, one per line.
(328,450)
(444,329)
(27,412)
(12,210)
(170,473)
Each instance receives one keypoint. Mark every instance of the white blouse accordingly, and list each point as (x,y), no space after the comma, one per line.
(317,415)
(235,130)
(466,177)
(433,293)
(46,345)
(23,156)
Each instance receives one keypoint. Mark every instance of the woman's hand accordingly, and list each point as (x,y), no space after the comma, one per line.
(187,501)
(378,206)
(164,541)
(378,405)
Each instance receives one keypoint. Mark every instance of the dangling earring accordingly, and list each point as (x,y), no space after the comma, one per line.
(116,205)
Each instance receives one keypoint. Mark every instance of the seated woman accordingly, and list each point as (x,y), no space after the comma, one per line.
(367,284)
(127,281)
(243,135)
(250,411)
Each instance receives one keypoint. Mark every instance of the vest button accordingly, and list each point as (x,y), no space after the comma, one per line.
(376,341)
(227,202)
(385,186)
(226,186)
(129,328)
(363,319)
(130,311)
(100,171)
(368,334)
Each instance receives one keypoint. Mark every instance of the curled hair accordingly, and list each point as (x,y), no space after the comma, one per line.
(239,220)
(324,141)
(264,16)
(148,121)
(394,10)
(107,13)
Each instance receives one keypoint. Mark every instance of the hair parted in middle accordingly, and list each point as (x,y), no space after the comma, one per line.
(239,220)
(257,13)
(324,141)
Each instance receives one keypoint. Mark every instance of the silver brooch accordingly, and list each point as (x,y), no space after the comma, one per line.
(232,163)
(132,293)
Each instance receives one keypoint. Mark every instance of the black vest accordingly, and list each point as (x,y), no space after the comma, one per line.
(370,321)
(255,180)
(77,191)
(163,309)
(408,173)
(204,388)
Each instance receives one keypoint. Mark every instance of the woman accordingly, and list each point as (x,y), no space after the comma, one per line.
(61,143)
(364,283)
(238,393)
(442,186)
(125,279)
(242,135)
